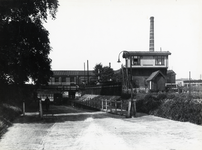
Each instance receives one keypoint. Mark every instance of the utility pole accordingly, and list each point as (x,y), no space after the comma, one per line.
(189,84)
(132,103)
(127,85)
(85,73)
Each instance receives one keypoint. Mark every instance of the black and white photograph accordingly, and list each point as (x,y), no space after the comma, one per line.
(100,74)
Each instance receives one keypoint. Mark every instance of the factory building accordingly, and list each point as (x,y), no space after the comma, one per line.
(148,69)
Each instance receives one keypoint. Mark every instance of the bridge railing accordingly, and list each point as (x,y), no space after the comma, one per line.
(111,104)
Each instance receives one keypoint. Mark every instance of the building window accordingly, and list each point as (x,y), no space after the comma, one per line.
(63,79)
(51,80)
(56,79)
(159,60)
(71,79)
(136,60)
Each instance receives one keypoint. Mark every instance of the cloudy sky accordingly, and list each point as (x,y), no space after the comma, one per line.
(98,30)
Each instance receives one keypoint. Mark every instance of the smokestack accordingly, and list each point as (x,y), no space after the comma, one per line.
(151,39)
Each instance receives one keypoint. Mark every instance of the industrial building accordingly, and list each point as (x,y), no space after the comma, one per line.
(143,70)
(71,77)
(148,70)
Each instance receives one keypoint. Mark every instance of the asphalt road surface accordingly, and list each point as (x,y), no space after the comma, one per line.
(76,129)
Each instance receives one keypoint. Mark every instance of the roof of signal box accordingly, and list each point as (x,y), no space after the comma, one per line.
(145,53)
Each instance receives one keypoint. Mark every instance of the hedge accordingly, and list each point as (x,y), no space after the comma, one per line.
(173,106)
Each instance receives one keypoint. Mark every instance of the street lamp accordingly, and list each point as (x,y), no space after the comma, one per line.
(126,62)
(119,55)
(131,103)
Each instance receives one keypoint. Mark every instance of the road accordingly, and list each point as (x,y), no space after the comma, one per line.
(76,129)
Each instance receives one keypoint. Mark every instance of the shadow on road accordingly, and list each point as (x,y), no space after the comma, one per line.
(52,118)
(63,113)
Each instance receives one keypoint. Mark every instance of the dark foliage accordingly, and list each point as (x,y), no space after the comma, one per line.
(24,42)
(103,73)
(180,107)
(8,113)
(97,70)
(149,103)
(125,95)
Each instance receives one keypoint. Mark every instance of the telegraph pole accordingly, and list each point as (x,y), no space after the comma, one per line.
(132,102)
(189,84)
(87,71)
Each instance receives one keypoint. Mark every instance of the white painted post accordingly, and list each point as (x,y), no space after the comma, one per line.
(115,106)
(106,104)
(129,109)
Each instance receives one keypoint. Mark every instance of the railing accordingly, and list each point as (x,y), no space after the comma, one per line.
(61,87)
(115,107)
(109,104)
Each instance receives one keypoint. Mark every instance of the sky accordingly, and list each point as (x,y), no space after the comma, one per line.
(98,30)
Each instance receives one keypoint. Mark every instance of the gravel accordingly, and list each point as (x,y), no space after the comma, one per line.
(80,130)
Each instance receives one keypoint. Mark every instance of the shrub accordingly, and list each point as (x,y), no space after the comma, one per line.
(171,95)
(180,108)
(149,103)
(161,96)
(125,95)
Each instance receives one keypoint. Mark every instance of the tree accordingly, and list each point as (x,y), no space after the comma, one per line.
(24,42)
(104,74)
(107,74)
(97,70)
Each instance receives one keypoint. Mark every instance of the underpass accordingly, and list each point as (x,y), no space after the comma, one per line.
(70,128)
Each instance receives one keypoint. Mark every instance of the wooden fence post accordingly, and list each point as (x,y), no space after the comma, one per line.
(102,104)
(23,108)
(115,106)
(106,104)
(134,107)
(110,105)
(40,109)
(121,107)
(129,109)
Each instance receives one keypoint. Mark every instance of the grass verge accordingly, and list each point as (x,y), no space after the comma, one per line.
(7,114)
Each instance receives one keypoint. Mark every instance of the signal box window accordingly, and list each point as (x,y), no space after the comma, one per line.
(159,60)
(136,60)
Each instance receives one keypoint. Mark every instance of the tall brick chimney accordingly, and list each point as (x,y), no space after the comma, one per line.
(151,38)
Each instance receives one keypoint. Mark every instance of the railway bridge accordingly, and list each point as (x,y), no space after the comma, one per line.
(57,93)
